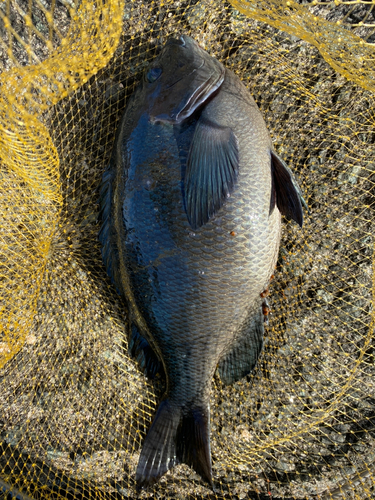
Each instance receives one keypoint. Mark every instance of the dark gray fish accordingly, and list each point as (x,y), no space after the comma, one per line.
(191,205)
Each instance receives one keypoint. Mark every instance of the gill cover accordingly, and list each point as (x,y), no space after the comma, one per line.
(180,79)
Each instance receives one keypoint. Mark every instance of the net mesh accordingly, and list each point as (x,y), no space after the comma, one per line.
(74,407)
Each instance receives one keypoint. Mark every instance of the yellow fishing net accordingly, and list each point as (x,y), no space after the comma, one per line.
(74,408)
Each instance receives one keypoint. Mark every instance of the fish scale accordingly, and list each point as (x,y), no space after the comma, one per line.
(191,209)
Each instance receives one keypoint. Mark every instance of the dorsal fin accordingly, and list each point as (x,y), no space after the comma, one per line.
(109,248)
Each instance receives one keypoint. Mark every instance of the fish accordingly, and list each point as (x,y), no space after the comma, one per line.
(191,206)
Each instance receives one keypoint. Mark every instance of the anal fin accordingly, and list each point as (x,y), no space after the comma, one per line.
(242,357)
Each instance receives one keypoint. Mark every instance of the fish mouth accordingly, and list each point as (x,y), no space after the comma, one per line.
(203,91)
(176,41)
(190,76)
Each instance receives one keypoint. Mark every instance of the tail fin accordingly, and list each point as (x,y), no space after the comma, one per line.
(175,437)
(193,442)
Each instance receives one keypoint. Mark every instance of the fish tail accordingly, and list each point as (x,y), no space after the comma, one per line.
(193,441)
(175,436)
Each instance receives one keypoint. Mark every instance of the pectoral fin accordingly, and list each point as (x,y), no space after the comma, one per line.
(211,171)
(285,193)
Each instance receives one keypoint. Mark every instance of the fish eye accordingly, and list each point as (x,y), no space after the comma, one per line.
(153,74)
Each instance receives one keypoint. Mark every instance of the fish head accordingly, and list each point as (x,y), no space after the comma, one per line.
(180,79)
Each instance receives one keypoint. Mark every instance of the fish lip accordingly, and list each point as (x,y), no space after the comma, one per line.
(199,87)
(172,40)
(201,94)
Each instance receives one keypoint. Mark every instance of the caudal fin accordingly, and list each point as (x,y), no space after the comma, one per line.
(175,436)
(193,442)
